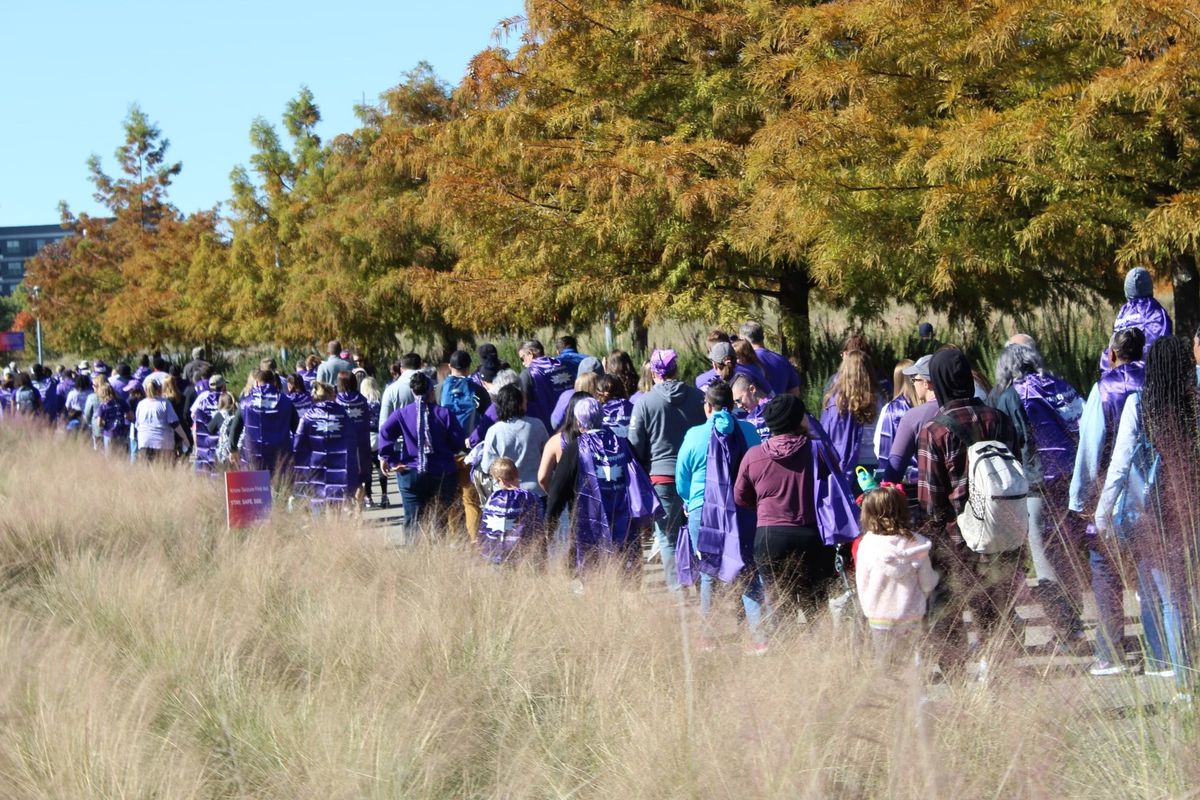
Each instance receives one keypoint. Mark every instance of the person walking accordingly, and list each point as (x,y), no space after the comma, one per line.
(1046,411)
(418,443)
(722,535)
(778,480)
(542,381)
(781,375)
(334,365)
(1150,490)
(986,585)
(158,426)
(326,449)
(266,424)
(658,425)
(609,496)
(516,436)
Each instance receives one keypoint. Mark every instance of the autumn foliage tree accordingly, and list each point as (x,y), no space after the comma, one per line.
(136,278)
(681,158)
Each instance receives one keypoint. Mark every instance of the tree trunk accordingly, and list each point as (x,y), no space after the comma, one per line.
(641,338)
(795,290)
(1185,280)
(447,343)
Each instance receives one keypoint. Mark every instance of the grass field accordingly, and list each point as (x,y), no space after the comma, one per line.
(149,653)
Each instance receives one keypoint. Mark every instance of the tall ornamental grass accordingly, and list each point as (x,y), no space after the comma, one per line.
(147,652)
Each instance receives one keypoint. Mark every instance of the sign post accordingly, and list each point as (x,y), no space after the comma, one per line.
(247,498)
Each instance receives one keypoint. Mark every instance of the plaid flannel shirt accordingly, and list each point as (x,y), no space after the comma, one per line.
(942,459)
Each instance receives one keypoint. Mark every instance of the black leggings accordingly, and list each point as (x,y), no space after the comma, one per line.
(796,565)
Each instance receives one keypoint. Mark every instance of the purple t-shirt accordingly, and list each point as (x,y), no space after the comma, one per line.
(904,442)
(782,376)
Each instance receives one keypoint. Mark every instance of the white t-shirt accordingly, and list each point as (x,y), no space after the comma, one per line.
(156,421)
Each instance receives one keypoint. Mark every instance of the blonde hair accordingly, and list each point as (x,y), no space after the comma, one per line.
(153,389)
(226,402)
(902,384)
(855,390)
(323,391)
(885,512)
(586,382)
(369,389)
(104,391)
(504,470)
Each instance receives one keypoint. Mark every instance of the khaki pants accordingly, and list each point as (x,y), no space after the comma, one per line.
(472,511)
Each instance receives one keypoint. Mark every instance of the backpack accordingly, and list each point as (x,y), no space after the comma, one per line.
(459,398)
(996,517)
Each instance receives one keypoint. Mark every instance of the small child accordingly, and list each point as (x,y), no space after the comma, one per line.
(512,516)
(892,571)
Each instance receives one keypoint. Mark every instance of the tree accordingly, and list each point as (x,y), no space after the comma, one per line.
(122,282)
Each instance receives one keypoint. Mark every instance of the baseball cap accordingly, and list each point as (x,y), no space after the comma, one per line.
(216,382)
(920,368)
(721,352)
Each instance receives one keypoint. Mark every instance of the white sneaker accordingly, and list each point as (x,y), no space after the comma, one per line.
(1102,669)
(1163,672)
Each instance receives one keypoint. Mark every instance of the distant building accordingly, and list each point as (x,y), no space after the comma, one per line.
(20,243)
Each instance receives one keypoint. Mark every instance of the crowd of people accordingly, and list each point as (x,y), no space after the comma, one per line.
(922,496)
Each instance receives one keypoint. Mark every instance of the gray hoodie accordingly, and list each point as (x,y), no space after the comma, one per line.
(661,418)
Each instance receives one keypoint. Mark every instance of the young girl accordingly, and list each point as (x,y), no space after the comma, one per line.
(512,517)
(892,570)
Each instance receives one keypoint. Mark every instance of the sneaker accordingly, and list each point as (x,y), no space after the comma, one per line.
(757,649)
(1159,671)
(384,503)
(368,504)
(1101,669)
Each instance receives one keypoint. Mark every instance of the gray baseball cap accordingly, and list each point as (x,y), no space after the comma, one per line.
(920,368)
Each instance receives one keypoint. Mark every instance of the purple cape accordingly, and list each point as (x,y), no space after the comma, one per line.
(1053,408)
(844,434)
(550,379)
(206,443)
(309,376)
(1115,386)
(726,540)
(325,468)
(837,513)
(114,421)
(509,517)
(267,417)
(755,418)
(613,496)
(889,420)
(617,414)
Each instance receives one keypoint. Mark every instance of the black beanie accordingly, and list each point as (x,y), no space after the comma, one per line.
(784,413)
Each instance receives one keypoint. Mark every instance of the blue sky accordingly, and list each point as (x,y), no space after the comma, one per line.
(70,69)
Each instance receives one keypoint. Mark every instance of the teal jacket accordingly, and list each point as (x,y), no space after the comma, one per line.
(691,466)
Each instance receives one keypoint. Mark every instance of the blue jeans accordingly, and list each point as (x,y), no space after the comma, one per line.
(1174,601)
(421,490)
(1109,591)
(754,599)
(666,528)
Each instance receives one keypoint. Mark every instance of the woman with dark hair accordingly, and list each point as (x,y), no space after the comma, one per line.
(1150,493)
(358,412)
(516,436)
(619,364)
(610,495)
(418,443)
(614,403)
(1097,432)
(300,394)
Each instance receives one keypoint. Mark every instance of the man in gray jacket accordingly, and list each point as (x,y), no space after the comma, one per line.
(661,418)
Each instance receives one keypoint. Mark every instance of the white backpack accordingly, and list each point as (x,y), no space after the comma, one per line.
(996,517)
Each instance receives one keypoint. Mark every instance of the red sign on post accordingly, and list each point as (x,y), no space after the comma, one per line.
(247,498)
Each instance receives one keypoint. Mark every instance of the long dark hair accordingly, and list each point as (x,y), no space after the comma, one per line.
(1169,410)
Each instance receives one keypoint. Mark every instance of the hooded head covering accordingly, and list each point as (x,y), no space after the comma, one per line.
(1138,283)
(589,414)
(950,373)
(784,413)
